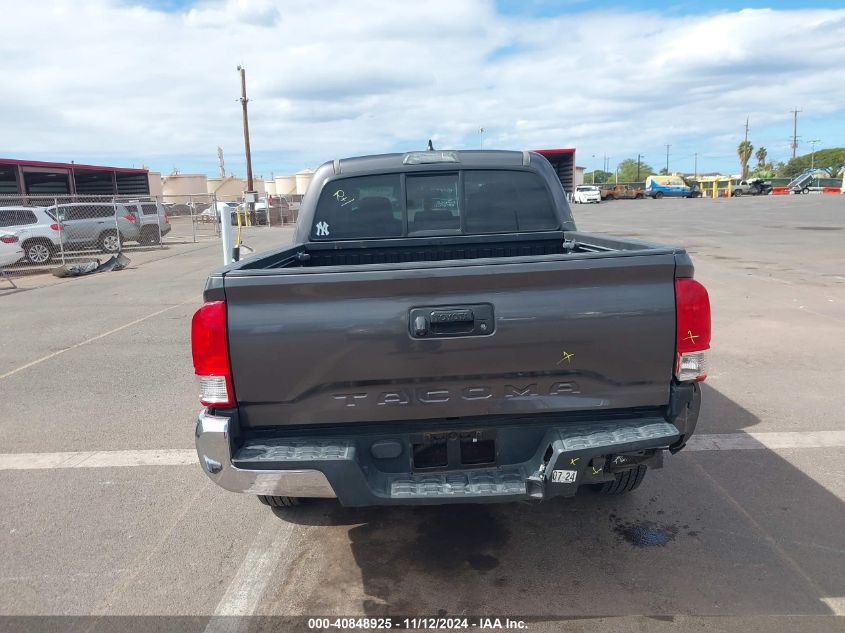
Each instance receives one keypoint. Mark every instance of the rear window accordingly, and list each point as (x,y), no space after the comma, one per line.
(357,208)
(149,209)
(432,202)
(482,201)
(507,201)
(86,212)
(17,217)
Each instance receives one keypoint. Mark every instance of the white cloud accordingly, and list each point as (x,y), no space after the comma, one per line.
(108,79)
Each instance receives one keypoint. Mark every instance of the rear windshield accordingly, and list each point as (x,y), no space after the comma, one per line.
(452,203)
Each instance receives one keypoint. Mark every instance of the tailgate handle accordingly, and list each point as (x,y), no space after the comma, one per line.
(472,320)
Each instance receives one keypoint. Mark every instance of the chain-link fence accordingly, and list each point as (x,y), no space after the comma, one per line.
(39,233)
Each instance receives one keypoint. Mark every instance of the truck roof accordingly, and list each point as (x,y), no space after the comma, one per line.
(465,159)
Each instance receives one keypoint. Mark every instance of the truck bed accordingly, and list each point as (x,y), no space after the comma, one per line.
(435,249)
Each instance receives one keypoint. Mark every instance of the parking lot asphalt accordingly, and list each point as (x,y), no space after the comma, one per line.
(748,536)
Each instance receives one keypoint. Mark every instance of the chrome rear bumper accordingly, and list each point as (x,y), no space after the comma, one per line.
(215,455)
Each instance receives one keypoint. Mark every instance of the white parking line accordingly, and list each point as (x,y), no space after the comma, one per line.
(271,552)
(38,361)
(772,440)
(185,456)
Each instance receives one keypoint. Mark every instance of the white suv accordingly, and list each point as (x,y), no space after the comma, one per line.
(39,234)
(586,194)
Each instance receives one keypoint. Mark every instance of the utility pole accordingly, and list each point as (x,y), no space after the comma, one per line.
(481,137)
(795,130)
(244,101)
(695,171)
(746,129)
(639,158)
(667,158)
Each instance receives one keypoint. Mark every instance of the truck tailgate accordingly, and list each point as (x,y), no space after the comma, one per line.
(327,346)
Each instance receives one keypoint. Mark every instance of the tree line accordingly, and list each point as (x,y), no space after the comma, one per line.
(831,161)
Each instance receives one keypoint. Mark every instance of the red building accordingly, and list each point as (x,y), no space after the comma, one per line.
(32,177)
(563,160)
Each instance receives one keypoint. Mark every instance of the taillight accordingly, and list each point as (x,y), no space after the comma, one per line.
(692,339)
(56,226)
(166,219)
(210,350)
(8,239)
(129,217)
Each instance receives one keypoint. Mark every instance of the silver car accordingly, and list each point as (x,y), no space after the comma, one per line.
(39,233)
(153,220)
(101,224)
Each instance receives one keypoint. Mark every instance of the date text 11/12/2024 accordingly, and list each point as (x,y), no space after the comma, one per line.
(434,623)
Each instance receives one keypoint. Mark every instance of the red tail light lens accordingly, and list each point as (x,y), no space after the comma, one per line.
(692,340)
(129,217)
(8,239)
(56,226)
(166,219)
(210,350)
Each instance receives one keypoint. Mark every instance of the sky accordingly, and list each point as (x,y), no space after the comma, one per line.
(154,82)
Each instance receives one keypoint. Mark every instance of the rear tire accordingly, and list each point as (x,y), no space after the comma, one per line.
(110,241)
(38,251)
(805,190)
(737,193)
(624,482)
(658,195)
(279,502)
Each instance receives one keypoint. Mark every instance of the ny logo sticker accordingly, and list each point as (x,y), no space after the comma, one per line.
(322,229)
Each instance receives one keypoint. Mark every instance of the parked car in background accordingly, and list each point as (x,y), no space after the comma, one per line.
(752,187)
(152,218)
(585,194)
(694,189)
(11,250)
(668,186)
(39,234)
(215,212)
(620,192)
(104,225)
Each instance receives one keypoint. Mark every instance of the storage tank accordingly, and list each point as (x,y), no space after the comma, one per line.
(270,187)
(179,188)
(285,185)
(303,179)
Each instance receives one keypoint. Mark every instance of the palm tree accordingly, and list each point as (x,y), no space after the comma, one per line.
(760,155)
(744,150)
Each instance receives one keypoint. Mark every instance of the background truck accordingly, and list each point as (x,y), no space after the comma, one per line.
(621,192)
(752,187)
(440,332)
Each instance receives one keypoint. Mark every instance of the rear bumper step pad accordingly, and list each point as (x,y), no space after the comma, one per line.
(573,448)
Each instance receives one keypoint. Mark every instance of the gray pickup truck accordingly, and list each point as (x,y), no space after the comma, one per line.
(440,332)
